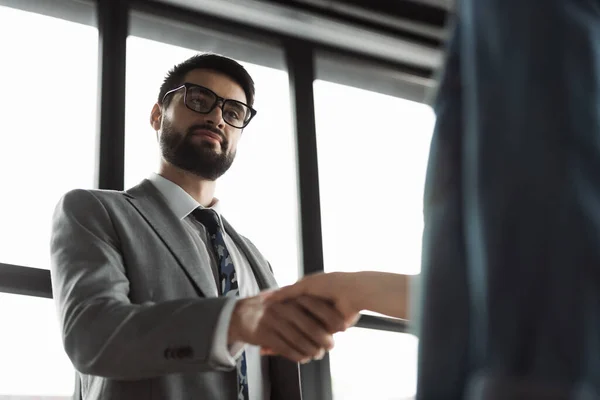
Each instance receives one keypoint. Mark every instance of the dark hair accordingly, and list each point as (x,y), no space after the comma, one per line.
(215,62)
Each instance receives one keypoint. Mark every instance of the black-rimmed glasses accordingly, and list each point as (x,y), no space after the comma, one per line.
(203,100)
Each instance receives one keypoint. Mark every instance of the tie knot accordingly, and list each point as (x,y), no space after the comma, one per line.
(208,218)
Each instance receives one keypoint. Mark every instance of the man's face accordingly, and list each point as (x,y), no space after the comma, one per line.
(202,144)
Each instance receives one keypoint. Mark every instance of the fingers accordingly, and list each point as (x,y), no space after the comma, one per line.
(279,345)
(265,351)
(290,331)
(299,329)
(324,312)
(352,320)
(304,332)
(275,327)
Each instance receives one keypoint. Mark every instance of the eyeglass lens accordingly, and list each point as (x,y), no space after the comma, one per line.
(202,100)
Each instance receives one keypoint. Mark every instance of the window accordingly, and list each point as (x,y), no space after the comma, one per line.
(33,361)
(48,129)
(258,193)
(373,150)
(371,364)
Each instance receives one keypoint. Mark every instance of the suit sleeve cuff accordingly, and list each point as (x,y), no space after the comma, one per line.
(223,354)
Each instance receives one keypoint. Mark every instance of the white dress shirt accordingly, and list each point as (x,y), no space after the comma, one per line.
(182,204)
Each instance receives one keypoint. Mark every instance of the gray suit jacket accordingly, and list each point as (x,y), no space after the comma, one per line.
(137,312)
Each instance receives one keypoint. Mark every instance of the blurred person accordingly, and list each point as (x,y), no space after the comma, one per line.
(157,294)
(509,304)
(510,299)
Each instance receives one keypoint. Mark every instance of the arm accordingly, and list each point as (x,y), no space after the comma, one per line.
(383,292)
(103,333)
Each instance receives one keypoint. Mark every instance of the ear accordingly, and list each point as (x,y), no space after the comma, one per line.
(156,117)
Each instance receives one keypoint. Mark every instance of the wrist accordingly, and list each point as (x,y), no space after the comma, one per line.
(354,284)
(366,284)
(234,332)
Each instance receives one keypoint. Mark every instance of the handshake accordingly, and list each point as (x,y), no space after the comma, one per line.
(298,321)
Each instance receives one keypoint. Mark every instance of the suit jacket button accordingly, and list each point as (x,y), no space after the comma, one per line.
(183,352)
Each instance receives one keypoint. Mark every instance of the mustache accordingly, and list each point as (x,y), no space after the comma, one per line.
(207,127)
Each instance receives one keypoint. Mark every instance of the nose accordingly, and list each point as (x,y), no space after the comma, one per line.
(215,117)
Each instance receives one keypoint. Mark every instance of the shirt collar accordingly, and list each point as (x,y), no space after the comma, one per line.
(178,200)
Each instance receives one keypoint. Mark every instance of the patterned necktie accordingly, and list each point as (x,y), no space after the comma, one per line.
(227,279)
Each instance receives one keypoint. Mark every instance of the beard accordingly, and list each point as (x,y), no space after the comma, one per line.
(203,158)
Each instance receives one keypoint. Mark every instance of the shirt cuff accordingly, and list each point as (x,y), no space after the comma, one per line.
(223,354)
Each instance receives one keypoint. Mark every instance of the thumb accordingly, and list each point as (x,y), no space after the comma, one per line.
(265,294)
(352,320)
(285,293)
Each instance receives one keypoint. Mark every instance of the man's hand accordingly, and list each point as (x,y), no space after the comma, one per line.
(299,329)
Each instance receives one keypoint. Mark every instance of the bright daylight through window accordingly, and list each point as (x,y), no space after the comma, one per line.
(373,152)
(49,100)
(49,85)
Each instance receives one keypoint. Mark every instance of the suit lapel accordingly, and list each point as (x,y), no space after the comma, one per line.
(151,205)
(261,268)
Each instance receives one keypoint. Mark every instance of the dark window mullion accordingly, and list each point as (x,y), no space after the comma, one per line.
(113,26)
(316,376)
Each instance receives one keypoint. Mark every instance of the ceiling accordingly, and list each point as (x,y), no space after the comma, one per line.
(406,32)
(418,20)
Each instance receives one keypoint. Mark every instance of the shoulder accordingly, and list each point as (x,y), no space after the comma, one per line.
(86,200)
(248,243)
(82,194)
